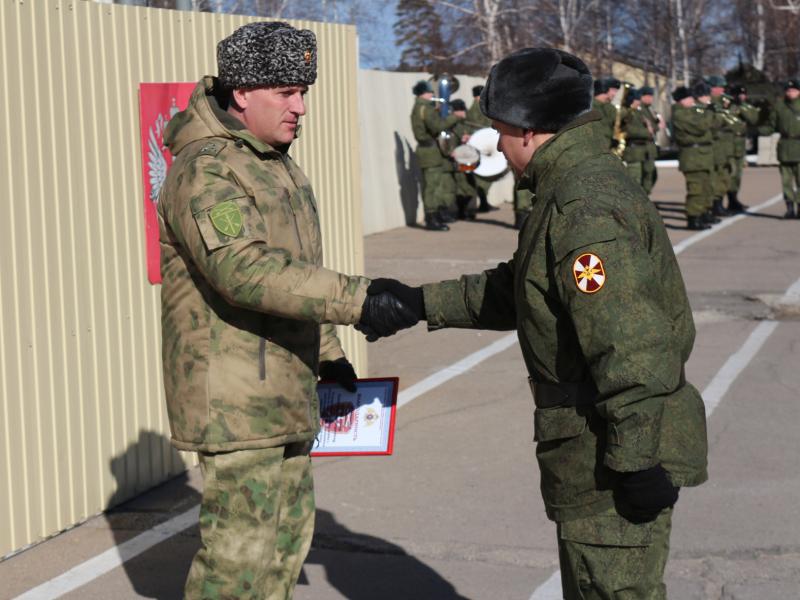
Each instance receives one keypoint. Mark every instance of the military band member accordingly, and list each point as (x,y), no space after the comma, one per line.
(638,134)
(702,96)
(692,131)
(744,114)
(596,297)
(438,184)
(785,119)
(649,170)
(466,185)
(477,120)
(724,142)
(248,312)
(602,104)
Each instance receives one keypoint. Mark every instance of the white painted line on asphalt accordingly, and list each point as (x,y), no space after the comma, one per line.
(454,370)
(550,589)
(727,222)
(112,558)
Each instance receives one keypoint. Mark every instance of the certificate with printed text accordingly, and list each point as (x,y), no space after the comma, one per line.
(358,423)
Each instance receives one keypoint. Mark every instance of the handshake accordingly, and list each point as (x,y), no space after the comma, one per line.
(389,307)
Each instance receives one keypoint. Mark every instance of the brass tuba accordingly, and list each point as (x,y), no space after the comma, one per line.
(619,136)
(445,85)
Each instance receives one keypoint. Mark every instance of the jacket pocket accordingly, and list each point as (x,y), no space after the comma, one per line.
(567,454)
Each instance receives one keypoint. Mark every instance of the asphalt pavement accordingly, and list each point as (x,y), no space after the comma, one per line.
(455,512)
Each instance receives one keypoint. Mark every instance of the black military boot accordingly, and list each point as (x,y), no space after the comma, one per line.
(696,224)
(445,216)
(709,219)
(718,210)
(789,214)
(484,205)
(464,211)
(734,206)
(432,223)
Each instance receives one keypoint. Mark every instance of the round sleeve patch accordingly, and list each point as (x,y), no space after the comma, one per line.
(589,273)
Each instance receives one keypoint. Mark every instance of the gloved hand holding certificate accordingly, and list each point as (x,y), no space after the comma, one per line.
(356,423)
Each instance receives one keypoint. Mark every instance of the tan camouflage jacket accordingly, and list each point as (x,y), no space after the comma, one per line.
(247,308)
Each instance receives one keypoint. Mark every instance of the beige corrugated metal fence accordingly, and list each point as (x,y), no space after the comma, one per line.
(82,416)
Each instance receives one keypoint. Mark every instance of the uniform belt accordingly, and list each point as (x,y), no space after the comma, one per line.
(551,395)
(426,143)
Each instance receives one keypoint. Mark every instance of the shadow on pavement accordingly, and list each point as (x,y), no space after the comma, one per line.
(408,175)
(363,567)
(160,571)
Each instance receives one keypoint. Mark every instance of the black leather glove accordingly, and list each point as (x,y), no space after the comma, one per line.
(383,314)
(340,371)
(646,493)
(412,297)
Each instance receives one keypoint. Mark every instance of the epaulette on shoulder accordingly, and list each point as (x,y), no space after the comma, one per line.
(211,148)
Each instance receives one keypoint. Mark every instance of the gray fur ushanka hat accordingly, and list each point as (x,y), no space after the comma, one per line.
(267,54)
(537,88)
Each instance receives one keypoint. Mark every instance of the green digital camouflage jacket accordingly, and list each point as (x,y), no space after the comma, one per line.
(692,131)
(427,124)
(652,117)
(475,118)
(596,296)
(785,119)
(724,131)
(637,136)
(745,114)
(608,114)
(247,307)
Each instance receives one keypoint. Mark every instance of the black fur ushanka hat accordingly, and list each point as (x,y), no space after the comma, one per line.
(542,89)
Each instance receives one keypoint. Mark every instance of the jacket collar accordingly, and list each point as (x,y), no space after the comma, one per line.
(572,145)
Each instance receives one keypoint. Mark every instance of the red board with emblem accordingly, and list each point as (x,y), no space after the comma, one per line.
(158,103)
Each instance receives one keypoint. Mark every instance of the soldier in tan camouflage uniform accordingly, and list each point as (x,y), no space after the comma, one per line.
(248,312)
(596,297)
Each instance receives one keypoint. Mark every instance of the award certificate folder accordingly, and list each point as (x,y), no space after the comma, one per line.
(356,423)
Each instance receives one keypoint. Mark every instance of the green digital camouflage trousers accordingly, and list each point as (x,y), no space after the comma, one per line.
(722,179)
(649,175)
(737,167)
(635,171)
(699,192)
(438,188)
(605,557)
(256,524)
(790,178)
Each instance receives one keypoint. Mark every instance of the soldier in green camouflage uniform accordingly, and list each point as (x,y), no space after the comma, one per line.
(637,136)
(724,142)
(744,114)
(608,112)
(596,297)
(477,120)
(649,170)
(248,312)
(438,183)
(785,119)
(466,185)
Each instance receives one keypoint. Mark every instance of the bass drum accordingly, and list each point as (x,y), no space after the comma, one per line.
(492,163)
(467,158)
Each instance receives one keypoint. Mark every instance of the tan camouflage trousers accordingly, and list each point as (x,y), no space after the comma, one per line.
(256,524)
(605,557)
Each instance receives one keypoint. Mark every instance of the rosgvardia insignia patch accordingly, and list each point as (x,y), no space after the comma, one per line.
(589,273)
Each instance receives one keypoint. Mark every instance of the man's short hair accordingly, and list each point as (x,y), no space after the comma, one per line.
(542,89)
(267,54)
